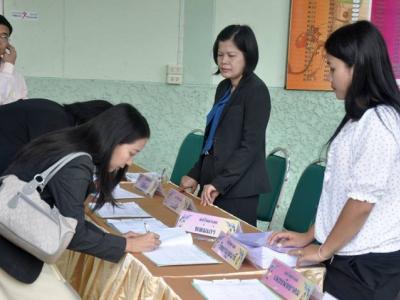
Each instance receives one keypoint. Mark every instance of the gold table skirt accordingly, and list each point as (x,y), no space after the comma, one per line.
(97,279)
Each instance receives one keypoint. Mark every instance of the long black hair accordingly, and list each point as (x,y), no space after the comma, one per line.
(360,45)
(120,124)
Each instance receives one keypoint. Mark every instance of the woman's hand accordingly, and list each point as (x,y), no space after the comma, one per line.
(188,183)
(290,238)
(131,234)
(142,242)
(308,255)
(209,194)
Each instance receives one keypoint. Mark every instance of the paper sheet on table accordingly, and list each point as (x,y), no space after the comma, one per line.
(177,248)
(121,193)
(234,289)
(173,237)
(123,210)
(136,225)
(180,255)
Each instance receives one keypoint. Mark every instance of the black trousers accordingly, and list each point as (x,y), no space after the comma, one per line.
(372,276)
(244,208)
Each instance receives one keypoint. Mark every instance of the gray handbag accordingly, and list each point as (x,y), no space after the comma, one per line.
(28,221)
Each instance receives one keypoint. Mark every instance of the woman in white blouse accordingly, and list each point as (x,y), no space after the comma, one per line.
(358,218)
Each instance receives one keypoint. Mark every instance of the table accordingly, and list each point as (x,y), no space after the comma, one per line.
(183,287)
(135,276)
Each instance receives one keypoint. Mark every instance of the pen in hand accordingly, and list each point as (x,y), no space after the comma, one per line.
(146,228)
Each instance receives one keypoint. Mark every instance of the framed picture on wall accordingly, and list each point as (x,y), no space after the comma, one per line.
(311,22)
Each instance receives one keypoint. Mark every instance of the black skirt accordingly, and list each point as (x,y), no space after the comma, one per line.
(368,276)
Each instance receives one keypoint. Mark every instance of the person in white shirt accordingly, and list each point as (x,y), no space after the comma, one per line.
(12,84)
(358,221)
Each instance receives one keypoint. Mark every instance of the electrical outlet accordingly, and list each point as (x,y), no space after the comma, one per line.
(174,79)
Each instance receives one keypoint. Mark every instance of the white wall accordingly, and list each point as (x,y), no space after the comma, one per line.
(134,40)
(130,40)
(270,21)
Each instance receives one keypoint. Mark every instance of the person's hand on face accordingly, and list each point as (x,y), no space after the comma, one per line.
(10,55)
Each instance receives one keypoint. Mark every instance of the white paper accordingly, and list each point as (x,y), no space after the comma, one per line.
(121,193)
(234,289)
(168,236)
(123,210)
(173,237)
(179,255)
(263,256)
(136,225)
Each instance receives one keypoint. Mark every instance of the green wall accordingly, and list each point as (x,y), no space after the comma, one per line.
(300,121)
(270,21)
(118,50)
(129,40)
(134,40)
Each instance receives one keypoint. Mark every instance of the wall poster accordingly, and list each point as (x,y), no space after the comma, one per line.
(311,22)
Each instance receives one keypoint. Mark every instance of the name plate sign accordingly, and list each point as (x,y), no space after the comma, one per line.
(205,224)
(286,282)
(177,202)
(149,185)
(232,251)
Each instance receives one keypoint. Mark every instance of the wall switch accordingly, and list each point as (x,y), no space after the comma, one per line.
(174,69)
(174,74)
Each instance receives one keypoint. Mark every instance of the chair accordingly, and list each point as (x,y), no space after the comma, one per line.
(278,171)
(188,154)
(303,208)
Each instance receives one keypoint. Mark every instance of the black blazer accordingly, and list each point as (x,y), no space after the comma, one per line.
(25,120)
(239,144)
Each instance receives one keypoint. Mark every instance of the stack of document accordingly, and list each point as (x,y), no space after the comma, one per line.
(122,210)
(133,177)
(136,225)
(262,254)
(121,193)
(177,248)
(234,289)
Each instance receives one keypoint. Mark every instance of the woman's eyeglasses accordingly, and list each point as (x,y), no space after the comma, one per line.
(4,37)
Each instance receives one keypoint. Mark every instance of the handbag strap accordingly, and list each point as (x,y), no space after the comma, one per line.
(40,180)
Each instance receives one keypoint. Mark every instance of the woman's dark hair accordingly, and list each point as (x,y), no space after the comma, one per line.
(4,21)
(360,45)
(120,124)
(244,39)
(84,111)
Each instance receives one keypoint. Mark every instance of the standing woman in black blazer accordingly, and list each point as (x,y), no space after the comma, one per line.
(231,168)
